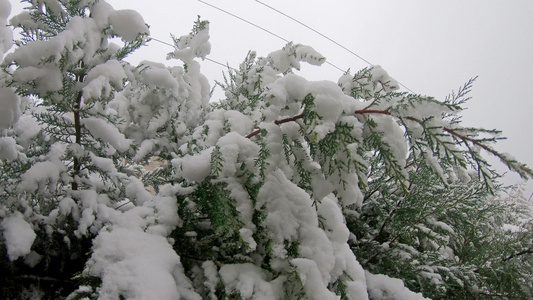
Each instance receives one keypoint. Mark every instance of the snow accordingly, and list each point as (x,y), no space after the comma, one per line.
(288,208)
(250,281)
(18,236)
(395,139)
(103,79)
(128,24)
(47,79)
(312,280)
(194,167)
(511,228)
(145,148)
(247,236)
(323,255)
(135,265)
(42,175)
(291,55)
(238,122)
(379,74)
(99,128)
(81,39)
(211,274)
(329,100)
(382,287)
(67,206)
(133,252)
(6,34)
(231,147)
(9,150)
(100,11)
(26,129)
(193,45)
(309,55)
(157,75)
(104,164)
(441,225)
(136,191)
(32,259)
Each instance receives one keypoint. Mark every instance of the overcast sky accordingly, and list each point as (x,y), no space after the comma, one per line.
(431,47)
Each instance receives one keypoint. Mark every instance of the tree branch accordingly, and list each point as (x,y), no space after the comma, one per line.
(520,168)
(277,122)
(525,251)
(77,127)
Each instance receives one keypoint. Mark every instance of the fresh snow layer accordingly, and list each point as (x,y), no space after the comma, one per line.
(103,78)
(132,255)
(194,167)
(251,281)
(42,175)
(18,236)
(6,34)
(383,287)
(193,45)
(8,148)
(323,257)
(128,24)
(99,128)
(136,265)
(26,129)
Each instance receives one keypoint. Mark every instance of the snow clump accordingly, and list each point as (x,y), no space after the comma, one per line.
(18,236)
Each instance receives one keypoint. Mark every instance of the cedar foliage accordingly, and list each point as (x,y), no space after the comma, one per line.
(284,189)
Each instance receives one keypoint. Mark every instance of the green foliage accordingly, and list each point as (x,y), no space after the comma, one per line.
(446,241)
(284,189)
(87,166)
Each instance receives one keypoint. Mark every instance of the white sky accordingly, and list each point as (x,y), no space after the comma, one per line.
(432,47)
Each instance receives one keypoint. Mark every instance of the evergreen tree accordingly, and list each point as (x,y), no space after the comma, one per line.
(284,189)
(70,157)
(447,241)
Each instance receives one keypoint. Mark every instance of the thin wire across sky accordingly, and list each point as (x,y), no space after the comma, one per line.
(282,38)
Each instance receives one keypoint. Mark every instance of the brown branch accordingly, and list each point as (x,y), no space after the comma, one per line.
(277,122)
(440,207)
(77,127)
(38,278)
(525,251)
(518,167)
(494,295)
(521,168)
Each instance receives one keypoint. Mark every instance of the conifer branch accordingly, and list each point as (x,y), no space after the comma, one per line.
(77,127)
(525,251)
(277,122)
(522,169)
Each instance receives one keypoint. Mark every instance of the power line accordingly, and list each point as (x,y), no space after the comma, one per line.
(244,20)
(262,28)
(207,58)
(315,31)
(280,37)
(219,63)
(324,36)
(163,42)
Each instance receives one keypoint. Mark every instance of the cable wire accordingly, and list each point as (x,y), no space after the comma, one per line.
(262,28)
(324,36)
(315,31)
(244,20)
(163,42)
(207,58)
(279,37)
